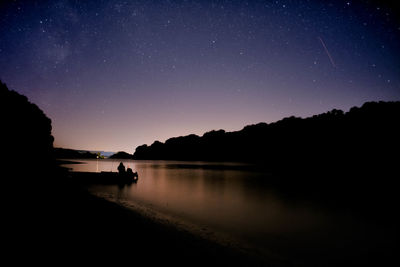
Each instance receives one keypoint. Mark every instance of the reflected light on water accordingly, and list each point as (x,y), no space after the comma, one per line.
(227,199)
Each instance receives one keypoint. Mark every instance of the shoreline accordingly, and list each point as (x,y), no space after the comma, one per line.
(240,254)
(198,231)
(165,238)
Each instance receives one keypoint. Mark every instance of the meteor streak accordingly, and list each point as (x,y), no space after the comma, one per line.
(327,52)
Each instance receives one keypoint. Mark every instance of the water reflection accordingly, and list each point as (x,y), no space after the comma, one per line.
(233,199)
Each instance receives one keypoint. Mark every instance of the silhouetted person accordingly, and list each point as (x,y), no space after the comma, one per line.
(121,168)
(129,172)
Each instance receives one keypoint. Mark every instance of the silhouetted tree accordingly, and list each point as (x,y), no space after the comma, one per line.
(26,132)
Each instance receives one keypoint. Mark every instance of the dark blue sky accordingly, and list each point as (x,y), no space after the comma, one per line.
(113,75)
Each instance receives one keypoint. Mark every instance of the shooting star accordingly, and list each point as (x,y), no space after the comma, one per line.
(327,52)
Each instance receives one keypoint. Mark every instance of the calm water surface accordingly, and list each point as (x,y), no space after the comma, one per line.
(230,203)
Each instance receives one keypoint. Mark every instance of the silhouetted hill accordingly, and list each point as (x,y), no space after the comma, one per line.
(121,155)
(362,141)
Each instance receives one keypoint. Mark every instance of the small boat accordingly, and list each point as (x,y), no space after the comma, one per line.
(105,177)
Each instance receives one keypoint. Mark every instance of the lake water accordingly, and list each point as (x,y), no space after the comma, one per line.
(232,204)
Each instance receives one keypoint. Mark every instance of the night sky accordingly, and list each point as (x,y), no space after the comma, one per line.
(113,75)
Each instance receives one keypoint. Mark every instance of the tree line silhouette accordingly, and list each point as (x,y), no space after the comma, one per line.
(332,138)
(334,150)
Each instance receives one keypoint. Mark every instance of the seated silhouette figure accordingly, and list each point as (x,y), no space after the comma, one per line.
(121,168)
(132,176)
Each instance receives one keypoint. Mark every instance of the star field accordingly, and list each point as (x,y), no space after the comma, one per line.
(113,75)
